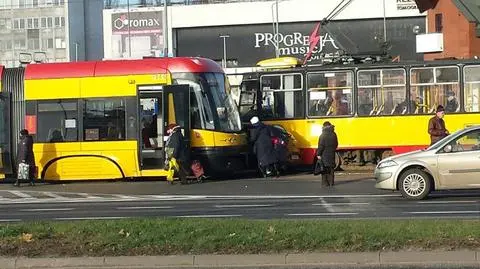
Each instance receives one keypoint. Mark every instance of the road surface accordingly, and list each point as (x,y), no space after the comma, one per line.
(291,197)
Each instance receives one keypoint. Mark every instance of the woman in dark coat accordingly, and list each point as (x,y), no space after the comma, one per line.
(25,155)
(262,145)
(176,146)
(327,146)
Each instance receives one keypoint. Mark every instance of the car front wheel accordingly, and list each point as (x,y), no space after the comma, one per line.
(415,184)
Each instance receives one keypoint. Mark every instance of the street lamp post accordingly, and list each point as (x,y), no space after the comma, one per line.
(224,62)
(165,29)
(275,27)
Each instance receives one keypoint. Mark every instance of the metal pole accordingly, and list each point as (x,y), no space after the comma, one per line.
(277,35)
(129,37)
(384,23)
(224,50)
(76,52)
(165,30)
(273,28)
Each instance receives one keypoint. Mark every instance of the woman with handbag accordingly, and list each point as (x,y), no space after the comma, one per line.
(327,146)
(25,159)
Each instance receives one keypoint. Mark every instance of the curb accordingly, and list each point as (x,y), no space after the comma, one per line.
(260,260)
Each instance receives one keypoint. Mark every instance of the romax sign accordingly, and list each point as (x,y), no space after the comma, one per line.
(148,21)
(295,43)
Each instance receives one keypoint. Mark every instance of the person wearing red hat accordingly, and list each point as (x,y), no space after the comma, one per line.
(436,126)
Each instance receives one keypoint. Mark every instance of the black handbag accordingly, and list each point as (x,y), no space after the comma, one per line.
(319,168)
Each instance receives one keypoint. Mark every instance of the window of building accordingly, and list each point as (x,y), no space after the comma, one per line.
(330,93)
(472,88)
(382,92)
(62,21)
(16,24)
(60,43)
(104,119)
(57,121)
(50,22)
(22,23)
(433,86)
(282,96)
(57,21)
(47,43)
(21,3)
(43,22)
(35,3)
(29,23)
(438,23)
(33,44)
(20,43)
(36,23)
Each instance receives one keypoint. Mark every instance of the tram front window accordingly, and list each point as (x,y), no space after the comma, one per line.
(214,105)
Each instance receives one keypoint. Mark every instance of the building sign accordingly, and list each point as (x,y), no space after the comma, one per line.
(248,44)
(406,4)
(137,33)
(295,44)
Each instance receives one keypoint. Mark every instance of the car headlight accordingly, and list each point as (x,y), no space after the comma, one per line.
(386,164)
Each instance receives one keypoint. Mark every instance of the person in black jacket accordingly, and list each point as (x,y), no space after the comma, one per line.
(263,147)
(176,149)
(25,155)
(327,146)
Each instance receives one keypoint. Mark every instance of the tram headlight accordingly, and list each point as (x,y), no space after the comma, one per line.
(386,164)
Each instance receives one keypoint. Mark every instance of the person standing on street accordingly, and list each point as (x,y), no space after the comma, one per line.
(436,126)
(25,158)
(176,151)
(327,146)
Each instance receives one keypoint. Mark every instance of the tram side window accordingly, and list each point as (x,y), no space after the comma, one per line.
(472,88)
(104,119)
(330,93)
(382,92)
(433,86)
(57,121)
(282,96)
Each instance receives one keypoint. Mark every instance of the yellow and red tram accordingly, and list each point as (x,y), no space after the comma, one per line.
(107,119)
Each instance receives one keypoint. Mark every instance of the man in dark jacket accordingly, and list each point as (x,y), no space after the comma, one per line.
(176,149)
(436,126)
(327,146)
(25,155)
(262,146)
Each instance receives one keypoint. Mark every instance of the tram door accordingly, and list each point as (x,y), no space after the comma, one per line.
(159,106)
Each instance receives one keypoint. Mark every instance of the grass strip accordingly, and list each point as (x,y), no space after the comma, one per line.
(232,236)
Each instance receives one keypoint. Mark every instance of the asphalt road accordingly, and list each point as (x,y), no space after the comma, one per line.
(291,197)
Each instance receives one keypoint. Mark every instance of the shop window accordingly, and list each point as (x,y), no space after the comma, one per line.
(382,92)
(57,121)
(433,86)
(282,96)
(104,119)
(472,88)
(330,93)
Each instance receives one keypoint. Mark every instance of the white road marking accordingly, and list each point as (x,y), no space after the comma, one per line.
(46,209)
(53,195)
(241,206)
(91,218)
(20,194)
(8,220)
(324,214)
(335,204)
(124,196)
(444,212)
(207,216)
(88,196)
(448,202)
(327,206)
(144,207)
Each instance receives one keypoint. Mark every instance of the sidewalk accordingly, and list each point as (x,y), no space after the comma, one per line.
(250,261)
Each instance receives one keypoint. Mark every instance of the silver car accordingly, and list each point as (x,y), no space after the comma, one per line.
(451,163)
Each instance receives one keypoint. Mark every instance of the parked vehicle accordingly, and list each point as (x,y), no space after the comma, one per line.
(451,163)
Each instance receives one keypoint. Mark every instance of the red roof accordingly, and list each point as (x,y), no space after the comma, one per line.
(120,67)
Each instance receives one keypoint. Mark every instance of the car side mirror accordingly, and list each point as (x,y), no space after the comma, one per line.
(447,148)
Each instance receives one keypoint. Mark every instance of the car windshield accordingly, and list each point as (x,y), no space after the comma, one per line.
(219,111)
(440,142)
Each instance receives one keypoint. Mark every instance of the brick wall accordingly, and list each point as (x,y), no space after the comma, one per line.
(459,38)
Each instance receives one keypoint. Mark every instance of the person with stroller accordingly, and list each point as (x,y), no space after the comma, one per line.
(263,148)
